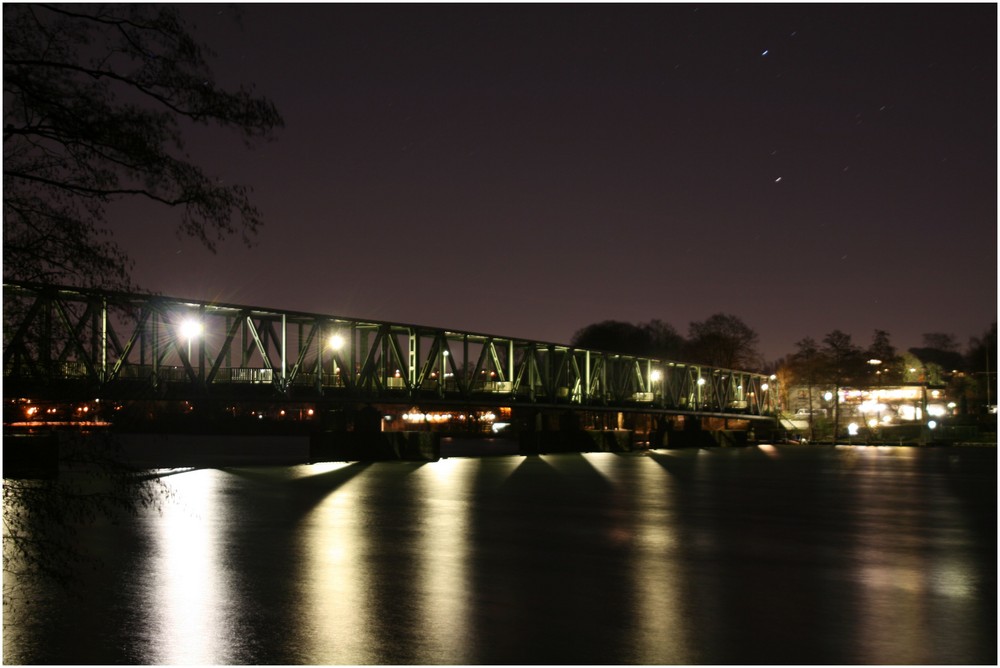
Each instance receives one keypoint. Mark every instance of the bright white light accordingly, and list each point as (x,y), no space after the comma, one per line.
(191,329)
(936,410)
(852,429)
(655,375)
(701,381)
(336,342)
(873,423)
(828,396)
(932,424)
(764,387)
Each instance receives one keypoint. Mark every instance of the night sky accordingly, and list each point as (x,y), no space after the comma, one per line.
(526,170)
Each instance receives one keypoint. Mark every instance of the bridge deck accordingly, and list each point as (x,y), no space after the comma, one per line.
(64,341)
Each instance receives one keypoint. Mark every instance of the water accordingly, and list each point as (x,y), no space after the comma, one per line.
(756,555)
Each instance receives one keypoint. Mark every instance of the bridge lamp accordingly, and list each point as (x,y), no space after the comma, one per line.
(654,377)
(191,329)
(336,342)
(764,387)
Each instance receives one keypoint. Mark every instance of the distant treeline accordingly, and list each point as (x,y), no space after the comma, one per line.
(836,361)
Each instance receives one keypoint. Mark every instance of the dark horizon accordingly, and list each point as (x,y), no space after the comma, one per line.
(529,170)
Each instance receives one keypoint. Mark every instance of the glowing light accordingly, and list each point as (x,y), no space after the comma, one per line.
(336,342)
(932,424)
(936,410)
(852,429)
(191,329)
(828,396)
(655,375)
(764,387)
(701,381)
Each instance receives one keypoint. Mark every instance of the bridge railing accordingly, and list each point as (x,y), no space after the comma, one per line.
(128,344)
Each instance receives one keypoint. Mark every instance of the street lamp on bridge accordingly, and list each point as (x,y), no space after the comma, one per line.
(191,329)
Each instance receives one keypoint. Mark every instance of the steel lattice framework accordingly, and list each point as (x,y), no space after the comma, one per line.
(64,341)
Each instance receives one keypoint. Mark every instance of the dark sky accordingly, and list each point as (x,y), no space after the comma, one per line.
(526,170)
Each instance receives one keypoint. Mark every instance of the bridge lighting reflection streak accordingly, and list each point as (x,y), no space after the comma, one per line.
(188,577)
(661,633)
(338,621)
(769,450)
(443,545)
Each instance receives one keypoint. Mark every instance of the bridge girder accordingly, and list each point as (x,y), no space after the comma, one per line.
(132,346)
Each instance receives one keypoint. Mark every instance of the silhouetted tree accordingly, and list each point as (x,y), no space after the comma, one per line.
(652,339)
(938,363)
(613,336)
(941,341)
(981,363)
(805,366)
(43,517)
(844,364)
(664,341)
(888,370)
(724,341)
(95,98)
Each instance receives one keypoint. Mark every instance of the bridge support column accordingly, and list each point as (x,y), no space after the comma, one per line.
(563,431)
(367,442)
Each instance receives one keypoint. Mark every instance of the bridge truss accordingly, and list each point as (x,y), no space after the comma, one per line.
(64,342)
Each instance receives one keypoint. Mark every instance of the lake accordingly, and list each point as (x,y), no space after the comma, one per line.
(766,554)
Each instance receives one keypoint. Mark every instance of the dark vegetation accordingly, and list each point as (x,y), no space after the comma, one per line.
(96,103)
(96,100)
(836,361)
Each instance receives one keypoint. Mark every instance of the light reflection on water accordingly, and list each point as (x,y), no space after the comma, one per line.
(754,555)
(333,578)
(188,587)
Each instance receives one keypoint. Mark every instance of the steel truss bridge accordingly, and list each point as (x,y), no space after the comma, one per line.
(64,343)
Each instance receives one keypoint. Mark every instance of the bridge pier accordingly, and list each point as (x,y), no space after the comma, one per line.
(541,432)
(367,442)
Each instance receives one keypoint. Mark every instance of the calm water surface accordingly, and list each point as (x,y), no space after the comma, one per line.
(753,555)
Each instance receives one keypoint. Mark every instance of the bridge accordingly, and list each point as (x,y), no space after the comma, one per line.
(65,343)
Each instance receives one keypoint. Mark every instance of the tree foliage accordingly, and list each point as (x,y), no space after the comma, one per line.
(723,340)
(654,339)
(96,100)
(43,517)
